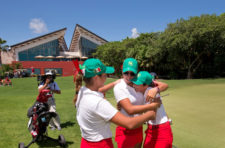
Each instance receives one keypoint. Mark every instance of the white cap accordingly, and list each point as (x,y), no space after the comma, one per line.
(49,73)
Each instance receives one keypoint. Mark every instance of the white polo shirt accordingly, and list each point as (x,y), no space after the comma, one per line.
(161,116)
(123,91)
(93,115)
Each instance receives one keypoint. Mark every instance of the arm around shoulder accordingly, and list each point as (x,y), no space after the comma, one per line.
(106,87)
(137,109)
(132,122)
(161,85)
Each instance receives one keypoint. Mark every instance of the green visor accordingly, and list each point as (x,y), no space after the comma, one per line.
(93,67)
(130,64)
(143,77)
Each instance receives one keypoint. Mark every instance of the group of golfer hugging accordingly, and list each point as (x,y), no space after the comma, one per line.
(138,102)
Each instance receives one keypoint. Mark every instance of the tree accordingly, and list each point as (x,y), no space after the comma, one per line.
(17,65)
(192,48)
(5,68)
(145,50)
(112,54)
(188,44)
(142,49)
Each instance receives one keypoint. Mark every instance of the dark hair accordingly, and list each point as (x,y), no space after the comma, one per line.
(150,85)
(42,78)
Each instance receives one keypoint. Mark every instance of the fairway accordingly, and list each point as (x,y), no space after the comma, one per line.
(195,106)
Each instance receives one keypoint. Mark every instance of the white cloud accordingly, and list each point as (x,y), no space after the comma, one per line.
(38,26)
(135,33)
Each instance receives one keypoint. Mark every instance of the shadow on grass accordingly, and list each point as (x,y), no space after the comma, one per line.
(67,124)
(52,143)
(173,146)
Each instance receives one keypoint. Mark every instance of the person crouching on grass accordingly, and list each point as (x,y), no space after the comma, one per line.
(94,113)
(7,81)
(159,133)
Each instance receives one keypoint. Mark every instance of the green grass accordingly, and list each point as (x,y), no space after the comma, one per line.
(195,106)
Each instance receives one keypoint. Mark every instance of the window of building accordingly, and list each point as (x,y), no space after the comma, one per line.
(48,49)
(88,47)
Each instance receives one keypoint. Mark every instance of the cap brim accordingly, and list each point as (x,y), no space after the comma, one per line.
(109,70)
(130,69)
(136,81)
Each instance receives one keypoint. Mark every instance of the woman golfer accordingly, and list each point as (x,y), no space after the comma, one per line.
(94,113)
(159,133)
(132,104)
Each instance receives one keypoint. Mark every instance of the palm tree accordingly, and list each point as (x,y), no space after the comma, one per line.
(2,48)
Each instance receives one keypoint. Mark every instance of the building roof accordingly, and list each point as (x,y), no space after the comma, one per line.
(39,37)
(90,32)
(79,31)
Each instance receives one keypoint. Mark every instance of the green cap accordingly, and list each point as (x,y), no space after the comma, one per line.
(130,64)
(92,67)
(143,77)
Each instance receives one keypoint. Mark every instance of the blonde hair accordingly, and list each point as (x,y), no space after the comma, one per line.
(78,84)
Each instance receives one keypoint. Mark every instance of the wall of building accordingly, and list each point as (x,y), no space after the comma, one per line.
(67,67)
(7,57)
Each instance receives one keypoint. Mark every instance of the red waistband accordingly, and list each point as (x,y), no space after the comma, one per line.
(108,139)
(136,130)
(159,125)
(106,143)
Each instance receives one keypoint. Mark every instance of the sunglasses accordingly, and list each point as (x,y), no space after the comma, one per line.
(129,73)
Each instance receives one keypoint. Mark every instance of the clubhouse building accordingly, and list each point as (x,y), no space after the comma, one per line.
(50,52)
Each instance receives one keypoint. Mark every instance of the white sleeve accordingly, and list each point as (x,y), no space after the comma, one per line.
(120,94)
(105,110)
(40,86)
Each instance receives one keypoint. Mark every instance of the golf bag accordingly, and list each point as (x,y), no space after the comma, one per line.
(39,118)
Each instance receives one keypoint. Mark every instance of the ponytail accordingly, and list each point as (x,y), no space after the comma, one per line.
(78,84)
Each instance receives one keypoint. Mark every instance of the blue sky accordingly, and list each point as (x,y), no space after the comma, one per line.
(112,20)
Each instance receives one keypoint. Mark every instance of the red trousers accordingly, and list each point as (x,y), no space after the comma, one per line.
(105,143)
(158,136)
(126,138)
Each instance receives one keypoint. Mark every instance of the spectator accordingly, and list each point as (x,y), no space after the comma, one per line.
(1,81)
(48,83)
(32,71)
(7,81)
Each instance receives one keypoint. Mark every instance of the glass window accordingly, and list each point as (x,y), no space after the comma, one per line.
(48,49)
(88,47)
(37,71)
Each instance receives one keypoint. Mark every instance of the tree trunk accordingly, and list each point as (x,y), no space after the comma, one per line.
(192,68)
(189,74)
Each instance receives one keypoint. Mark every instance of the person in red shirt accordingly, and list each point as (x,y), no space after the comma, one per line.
(7,81)
(1,81)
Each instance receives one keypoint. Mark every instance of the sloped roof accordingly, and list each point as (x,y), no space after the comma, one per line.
(40,37)
(79,30)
